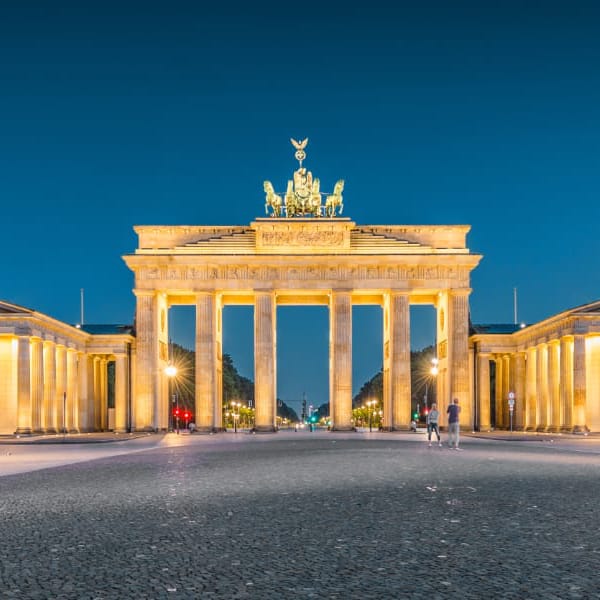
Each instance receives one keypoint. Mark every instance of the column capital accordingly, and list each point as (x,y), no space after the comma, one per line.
(459,292)
(144,293)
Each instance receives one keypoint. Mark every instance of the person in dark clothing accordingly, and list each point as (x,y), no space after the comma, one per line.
(453,424)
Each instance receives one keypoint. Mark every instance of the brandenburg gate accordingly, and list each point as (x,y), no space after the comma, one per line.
(302,252)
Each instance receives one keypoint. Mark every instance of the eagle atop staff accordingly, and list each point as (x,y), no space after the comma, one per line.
(300,154)
(299,145)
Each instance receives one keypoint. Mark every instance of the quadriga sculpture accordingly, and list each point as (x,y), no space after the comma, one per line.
(315,198)
(335,200)
(272,200)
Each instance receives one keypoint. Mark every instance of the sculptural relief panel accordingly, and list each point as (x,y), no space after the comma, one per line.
(432,276)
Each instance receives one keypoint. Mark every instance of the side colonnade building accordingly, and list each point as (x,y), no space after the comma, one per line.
(54,377)
(550,370)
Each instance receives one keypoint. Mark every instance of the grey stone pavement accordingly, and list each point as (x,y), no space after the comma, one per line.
(300,515)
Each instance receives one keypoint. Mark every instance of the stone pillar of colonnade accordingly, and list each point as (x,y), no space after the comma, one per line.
(483,391)
(103,406)
(37,385)
(72,405)
(209,411)
(579,384)
(61,387)
(519,389)
(23,386)
(340,360)
(396,353)
(458,353)
(498,391)
(554,386)
(50,423)
(531,390)
(145,397)
(121,385)
(566,383)
(542,387)
(507,379)
(265,353)
(85,378)
(97,394)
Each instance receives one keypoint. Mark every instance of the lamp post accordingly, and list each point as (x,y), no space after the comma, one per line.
(433,371)
(171,373)
(370,405)
(235,414)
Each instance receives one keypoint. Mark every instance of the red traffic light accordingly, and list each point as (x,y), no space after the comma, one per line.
(176,412)
(186,415)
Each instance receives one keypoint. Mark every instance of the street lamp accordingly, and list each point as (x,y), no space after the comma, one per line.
(235,414)
(171,373)
(433,371)
(371,405)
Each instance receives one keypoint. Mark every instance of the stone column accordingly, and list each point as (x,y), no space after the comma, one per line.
(542,387)
(399,363)
(519,389)
(97,395)
(507,377)
(146,393)
(566,384)
(84,377)
(499,391)
(483,391)
(72,416)
(23,386)
(37,385)
(103,405)
(208,392)
(458,353)
(531,390)
(61,387)
(50,423)
(579,383)
(554,385)
(265,384)
(340,360)
(121,383)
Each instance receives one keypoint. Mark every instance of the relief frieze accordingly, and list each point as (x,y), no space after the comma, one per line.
(302,238)
(302,273)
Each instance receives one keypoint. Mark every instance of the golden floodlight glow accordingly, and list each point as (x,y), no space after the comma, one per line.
(170,370)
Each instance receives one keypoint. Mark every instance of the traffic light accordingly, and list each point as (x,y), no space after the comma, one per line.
(176,411)
(314,418)
(415,415)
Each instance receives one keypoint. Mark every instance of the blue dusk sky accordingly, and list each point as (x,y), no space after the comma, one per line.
(114,114)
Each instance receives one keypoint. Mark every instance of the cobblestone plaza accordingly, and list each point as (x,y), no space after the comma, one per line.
(301,515)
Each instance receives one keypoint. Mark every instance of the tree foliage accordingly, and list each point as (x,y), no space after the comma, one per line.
(235,386)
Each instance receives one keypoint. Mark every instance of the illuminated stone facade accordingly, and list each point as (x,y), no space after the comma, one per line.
(300,261)
(550,369)
(54,377)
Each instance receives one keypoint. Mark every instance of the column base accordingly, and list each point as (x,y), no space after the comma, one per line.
(342,429)
(51,430)
(553,429)
(147,429)
(206,430)
(23,431)
(264,429)
(580,429)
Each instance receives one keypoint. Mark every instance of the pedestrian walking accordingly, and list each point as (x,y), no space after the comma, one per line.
(453,424)
(433,417)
